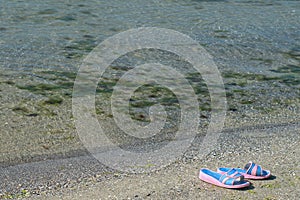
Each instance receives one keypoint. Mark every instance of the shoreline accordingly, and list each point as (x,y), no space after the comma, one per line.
(85,153)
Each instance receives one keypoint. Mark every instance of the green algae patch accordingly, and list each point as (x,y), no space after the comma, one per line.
(105,87)
(23,110)
(205,107)
(63,87)
(291,75)
(287,69)
(39,88)
(141,104)
(247,102)
(66,18)
(66,85)
(263,60)
(47,12)
(294,53)
(99,111)
(85,45)
(61,74)
(253,77)
(148,95)
(20,109)
(9,82)
(290,80)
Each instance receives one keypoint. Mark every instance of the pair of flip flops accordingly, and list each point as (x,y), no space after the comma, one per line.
(234,177)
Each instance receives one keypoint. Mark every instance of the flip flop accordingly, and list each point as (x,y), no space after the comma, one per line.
(251,171)
(231,179)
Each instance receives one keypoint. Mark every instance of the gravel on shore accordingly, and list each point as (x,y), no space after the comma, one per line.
(275,148)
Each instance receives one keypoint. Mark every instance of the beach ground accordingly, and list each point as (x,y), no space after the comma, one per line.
(275,148)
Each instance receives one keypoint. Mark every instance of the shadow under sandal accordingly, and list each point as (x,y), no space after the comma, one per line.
(231,179)
(251,171)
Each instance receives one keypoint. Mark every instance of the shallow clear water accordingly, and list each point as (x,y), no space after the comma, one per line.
(255,44)
(247,36)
